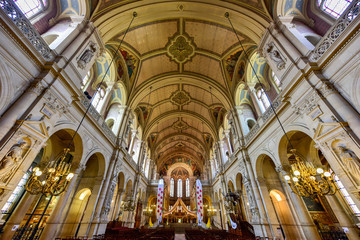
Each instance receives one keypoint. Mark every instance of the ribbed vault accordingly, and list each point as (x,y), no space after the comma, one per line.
(180,58)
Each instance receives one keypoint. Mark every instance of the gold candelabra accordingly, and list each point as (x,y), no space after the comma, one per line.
(148,211)
(307,181)
(52,180)
(211,211)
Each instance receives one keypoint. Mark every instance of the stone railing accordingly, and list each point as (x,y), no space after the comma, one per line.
(94,113)
(336,30)
(25,26)
(263,118)
(131,161)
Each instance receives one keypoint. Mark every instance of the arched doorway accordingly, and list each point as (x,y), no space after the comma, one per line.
(82,206)
(282,219)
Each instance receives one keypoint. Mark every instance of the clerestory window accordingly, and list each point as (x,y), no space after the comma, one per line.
(334,7)
(31,7)
(263,100)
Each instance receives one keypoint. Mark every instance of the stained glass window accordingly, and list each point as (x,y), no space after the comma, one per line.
(16,193)
(346,195)
(179,188)
(30,7)
(187,187)
(334,7)
(171,187)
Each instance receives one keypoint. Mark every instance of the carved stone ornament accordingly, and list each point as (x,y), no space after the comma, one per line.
(180,49)
(180,125)
(10,162)
(36,87)
(87,55)
(107,204)
(255,215)
(275,55)
(180,98)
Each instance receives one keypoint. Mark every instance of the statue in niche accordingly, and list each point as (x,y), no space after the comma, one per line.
(9,163)
(275,55)
(351,161)
(87,55)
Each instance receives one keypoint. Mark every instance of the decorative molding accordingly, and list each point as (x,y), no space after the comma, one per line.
(275,55)
(180,125)
(180,98)
(180,48)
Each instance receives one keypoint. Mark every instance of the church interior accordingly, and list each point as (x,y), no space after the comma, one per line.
(192,119)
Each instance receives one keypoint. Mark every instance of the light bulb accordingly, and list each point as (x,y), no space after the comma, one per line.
(38,173)
(295,179)
(70,176)
(36,169)
(312,178)
(51,170)
(296,173)
(327,174)
(286,177)
(319,170)
(43,182)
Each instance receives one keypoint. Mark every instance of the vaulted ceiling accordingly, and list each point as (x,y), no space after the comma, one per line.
(183,58)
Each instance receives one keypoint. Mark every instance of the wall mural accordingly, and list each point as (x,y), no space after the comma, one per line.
(188,161)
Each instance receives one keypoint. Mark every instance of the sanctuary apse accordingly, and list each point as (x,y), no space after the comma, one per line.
(223,115)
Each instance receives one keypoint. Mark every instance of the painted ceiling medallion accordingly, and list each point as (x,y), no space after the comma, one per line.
(180,98)
(180,125)
(180,48)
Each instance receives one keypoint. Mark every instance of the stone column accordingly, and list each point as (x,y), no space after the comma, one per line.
(301,213)
(52,225)
(118,205)
(339,105)
(21,105)
(264,193)
(344,219)
(257,209)
(91,206)
(97,214)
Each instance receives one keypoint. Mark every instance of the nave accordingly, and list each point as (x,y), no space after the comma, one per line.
(196,119)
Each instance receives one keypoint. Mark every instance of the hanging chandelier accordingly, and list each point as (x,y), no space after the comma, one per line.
(53,179)
(303,178)
(307,181)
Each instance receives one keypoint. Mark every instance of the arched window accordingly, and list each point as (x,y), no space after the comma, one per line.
(31,7)
(179,188)
(98,97)
(172,187)
(147,169)
(276,81)
(263,100)
(85,81)
(334,7)
(187,187)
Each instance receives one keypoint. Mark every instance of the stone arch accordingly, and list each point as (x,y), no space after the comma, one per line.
(180,164)
(121,182)
(6,89)
(230,186)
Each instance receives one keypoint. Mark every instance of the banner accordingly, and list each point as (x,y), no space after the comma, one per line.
(199,200)
(160,201)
